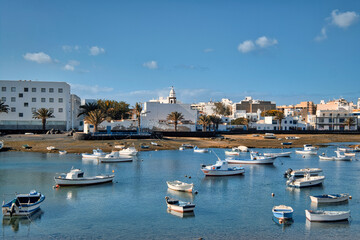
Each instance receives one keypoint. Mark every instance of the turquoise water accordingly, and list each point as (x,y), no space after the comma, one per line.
(134,206)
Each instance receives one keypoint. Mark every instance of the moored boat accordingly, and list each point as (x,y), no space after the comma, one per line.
(114,156)
(302,172)
(200,150)
(306,181)
(292,138)
(179,206)
(51,148)
(96,153)
(279,154)
(241,149)
(221,168)
(255,158)
(181,148)
(286,143)
(308,150)
(180,186)
(326,216)
(62,152)
(282,212)
(269,136)
(130,151)
(23,204)
(232,153)
(330,198)
(76,178)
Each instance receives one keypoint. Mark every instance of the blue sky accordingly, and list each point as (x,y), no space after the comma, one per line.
(284,51)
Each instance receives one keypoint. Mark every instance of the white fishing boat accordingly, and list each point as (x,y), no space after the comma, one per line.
(180,186)
(51,148)
(339,157)
(154,143)
(181,148)
(221,168)
(119,146)
(302,172)
(279,154)
(292,138)
(1,144)
(96,154)
(306,181)
(255,158)
(269,136)
(200,150)
(115,156)
(130,151)
(347,149)
(349,154)
(241,149)
(62,152)
(232,153)
(76,178)
(179,206)
(326,216)
(23,204)
(308,150)
(282,212)
(330,198)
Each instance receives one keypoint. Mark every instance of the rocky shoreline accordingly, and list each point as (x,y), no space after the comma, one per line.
(39,142)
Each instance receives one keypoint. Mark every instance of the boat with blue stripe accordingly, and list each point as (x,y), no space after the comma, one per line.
(282,212)
(23,204)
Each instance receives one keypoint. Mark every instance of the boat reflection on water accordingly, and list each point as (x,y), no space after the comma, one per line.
(326,225)
(182,195)
(283,223)
(90,161)
(14,222)
(181,214)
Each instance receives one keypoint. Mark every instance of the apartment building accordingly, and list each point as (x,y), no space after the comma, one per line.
(25,96)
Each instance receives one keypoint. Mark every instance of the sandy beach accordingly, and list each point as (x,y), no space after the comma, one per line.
(39,142)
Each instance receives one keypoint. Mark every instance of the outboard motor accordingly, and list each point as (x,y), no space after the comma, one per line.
(287,172)
(203,165)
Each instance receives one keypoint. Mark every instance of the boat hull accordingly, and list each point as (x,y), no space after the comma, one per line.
(306,183)
(306,152)
(331,216)
(83,182)
(283,154)
(24,209)
(181,188)
(114,160)
(208,172)
(325,199)
(283,215)
(260,161)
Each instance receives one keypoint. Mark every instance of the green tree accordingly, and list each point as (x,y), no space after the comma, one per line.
(350,121)
(279,117)
(43,114)
(95,118)
(240,121)
(3,107)
(205,121)
(114,110)
(270,113)
(175,117)
(87,107)
(138,108)
(215,120)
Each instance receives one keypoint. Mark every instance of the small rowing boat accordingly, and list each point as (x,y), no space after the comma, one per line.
(23,204)
(180,186)
(330,198)
(326,216)
(282,212)
(179,206)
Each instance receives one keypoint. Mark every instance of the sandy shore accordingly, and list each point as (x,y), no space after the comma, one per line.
(39,142)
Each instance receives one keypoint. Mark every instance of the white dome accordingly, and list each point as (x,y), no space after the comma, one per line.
(172,92)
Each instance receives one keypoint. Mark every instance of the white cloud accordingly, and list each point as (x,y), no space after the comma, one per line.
(207,50)
(70,66)
(39,57)
(151,65)
(246,46)
(92,89)
(265,42)
(322,35)
(343,20)
(95,50)
(68,48)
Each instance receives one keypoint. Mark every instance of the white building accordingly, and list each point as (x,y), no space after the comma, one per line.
(155,113)
(333,120)
(358,103)
(288,123)
(76,122)
(25,96)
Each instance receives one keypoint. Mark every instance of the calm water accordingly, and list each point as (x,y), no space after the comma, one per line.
(134,205)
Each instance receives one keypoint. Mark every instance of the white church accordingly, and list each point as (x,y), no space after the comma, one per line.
(155,113)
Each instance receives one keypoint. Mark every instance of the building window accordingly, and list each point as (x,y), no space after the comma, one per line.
(60,100)
(290,122)
(13,109)
(26,89)
(33,110)
(43,89)
(3,99)
(26,104)
(60,110)
(341,120)
(60,90)
(51,90)
(285,123)
(51,100)
(21,114)
(3,89)
(330,114)
(33,99)
(33,89)
(13,89)
(51,110)
(43,99)
(13,99)
(21,95)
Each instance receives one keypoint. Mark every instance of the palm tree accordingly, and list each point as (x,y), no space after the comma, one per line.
(3,107)
(88,107)
(175,117)
(204,120)
(43,114)
(350,121)
(241,121)
(138,108)
(279,117)
(215,120)
(95,118)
